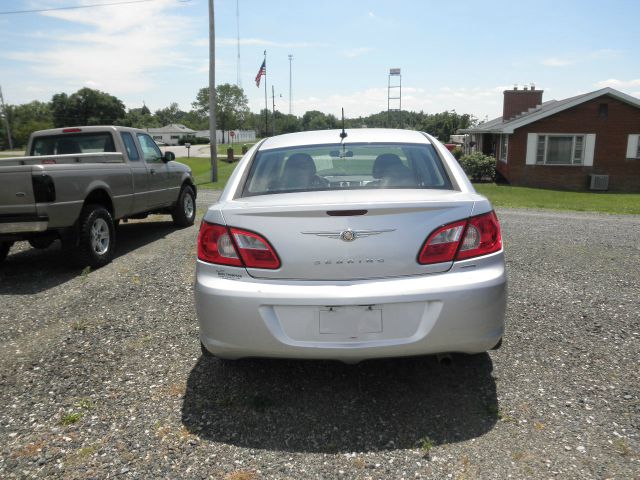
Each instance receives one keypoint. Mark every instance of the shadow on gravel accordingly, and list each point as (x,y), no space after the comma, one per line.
(29,270)
(329,407)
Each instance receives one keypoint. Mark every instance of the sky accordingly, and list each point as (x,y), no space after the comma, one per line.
(453,55)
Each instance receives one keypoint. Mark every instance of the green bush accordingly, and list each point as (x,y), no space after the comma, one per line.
(479,167)
(457,153)
(193,140)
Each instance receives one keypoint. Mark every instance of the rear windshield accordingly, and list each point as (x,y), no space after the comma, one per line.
(339,167)
(73,143)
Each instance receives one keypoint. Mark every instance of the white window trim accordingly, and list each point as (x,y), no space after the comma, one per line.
(588,149)
(504,155)
(573,149)
(633,146)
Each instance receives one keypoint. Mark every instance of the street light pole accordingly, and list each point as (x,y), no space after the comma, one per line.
(212,95)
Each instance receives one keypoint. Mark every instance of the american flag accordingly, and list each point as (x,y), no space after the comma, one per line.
(261,72)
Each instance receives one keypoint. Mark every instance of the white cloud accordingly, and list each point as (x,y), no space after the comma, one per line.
(614,83)
(371,14)
(260,42)
(357,52)
(109,48)
(474,100)
(573,59)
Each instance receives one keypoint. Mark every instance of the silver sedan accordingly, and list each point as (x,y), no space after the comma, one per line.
(368,245)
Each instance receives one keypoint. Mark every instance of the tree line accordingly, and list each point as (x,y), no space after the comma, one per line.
(93,107)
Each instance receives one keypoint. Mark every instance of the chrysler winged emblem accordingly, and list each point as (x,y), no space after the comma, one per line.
(349,235)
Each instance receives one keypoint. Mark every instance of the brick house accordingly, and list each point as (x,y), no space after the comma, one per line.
(590,141)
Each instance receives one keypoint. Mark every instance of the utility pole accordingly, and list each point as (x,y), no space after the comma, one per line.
(239,80)
(273,121)
(3,110)
(213,148)
(290,94)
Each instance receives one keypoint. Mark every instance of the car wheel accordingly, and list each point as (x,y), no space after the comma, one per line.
(4,249)
(184,212)
(41,243)
(96,242)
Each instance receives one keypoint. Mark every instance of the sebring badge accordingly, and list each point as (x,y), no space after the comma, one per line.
(349,235)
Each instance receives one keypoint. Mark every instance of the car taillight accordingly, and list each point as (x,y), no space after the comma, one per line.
(255,250)
(463,239)
(215,245)
(233,246)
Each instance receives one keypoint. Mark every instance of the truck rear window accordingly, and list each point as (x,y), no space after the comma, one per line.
(66,144)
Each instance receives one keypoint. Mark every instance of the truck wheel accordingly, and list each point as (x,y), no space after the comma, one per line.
(184,212)
(97,239)
(4,249)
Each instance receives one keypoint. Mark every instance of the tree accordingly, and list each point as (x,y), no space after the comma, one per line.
(27,118)
(140,118)
(232,109)
(86,107)
(170,114)
(315,120)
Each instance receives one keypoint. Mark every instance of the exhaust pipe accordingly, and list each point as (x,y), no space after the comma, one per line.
(444,359)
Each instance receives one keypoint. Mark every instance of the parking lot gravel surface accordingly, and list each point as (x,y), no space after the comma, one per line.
(101,374)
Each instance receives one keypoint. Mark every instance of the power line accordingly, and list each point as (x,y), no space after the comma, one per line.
(75,7)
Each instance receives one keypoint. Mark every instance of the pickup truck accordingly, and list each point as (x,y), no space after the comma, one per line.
(76,184)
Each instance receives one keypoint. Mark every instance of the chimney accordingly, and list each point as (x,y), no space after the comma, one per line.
(519,101)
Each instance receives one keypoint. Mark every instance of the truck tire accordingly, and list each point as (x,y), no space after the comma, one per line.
(4,249)
(184,212)
(97,237)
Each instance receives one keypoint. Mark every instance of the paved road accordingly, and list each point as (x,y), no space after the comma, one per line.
(101,374)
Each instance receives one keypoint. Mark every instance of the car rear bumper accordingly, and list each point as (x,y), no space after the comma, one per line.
(458,311)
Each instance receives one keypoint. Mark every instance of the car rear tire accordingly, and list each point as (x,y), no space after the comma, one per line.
(4,249)
(184,212)
(97,239)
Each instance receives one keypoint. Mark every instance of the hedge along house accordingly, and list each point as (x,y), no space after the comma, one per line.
(587,142)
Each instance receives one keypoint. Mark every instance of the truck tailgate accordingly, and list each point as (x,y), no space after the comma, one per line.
(16,191)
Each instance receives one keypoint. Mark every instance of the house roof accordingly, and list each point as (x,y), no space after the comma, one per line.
(547,109)
(172,128)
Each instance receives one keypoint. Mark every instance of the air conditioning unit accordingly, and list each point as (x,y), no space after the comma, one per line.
(599,182)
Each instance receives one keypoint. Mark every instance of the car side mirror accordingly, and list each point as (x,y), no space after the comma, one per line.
(168,157)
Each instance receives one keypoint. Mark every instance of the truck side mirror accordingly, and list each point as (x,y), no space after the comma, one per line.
(168,157)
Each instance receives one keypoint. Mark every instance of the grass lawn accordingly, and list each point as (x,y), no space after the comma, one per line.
(201,169)
(520,197)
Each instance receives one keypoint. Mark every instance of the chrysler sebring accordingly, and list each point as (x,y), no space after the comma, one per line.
(349,245)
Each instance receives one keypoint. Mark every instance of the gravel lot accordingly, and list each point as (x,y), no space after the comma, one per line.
(101,374)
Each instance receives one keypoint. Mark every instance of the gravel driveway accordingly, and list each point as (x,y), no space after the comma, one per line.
(101,374)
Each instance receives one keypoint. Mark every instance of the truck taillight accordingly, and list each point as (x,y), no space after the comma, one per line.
(71,130)
(463,239)
(236,247)
(44,190)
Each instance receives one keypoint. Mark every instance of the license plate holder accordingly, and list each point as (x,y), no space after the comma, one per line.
(351,320)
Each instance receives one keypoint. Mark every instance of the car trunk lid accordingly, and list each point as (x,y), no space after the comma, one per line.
(348,235)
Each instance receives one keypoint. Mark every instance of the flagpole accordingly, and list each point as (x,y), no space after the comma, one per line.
(266,107)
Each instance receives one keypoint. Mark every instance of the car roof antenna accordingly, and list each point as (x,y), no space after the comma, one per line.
(343,134)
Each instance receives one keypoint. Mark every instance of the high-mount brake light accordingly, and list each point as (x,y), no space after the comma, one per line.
(462,240)
(236,247)
(71,130)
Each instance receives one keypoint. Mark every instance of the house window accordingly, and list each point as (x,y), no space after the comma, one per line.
(633,146)
(560,150)
(603,110)
(504,147)
(157,137)
(175,137)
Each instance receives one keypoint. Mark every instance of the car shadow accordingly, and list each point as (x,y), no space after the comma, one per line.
(28,270)
(330,407)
